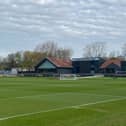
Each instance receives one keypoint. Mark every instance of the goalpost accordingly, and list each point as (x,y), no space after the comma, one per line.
(68,77)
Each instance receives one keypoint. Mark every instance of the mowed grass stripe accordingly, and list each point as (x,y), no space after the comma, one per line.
(40,103)
(40,97)
(57,94)
(58,109)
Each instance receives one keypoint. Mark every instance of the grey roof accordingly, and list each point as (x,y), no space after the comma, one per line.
(86,59)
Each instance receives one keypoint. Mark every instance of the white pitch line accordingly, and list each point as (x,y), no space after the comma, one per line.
(58,109)
(97,76)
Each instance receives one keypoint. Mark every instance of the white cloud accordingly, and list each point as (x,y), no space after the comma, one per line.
(43,1)
(6,1)
(73,17)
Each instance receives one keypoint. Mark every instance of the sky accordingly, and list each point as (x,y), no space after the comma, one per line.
(70,23)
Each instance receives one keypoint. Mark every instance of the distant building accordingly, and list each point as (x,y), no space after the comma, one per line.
(123,66)
(113,65)
(55,66)
(80,66)
(87,65)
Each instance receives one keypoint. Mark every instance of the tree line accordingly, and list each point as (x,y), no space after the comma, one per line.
(100,49)
(28,59)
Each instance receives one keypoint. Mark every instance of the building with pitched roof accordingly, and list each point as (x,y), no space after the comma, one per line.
(80,66)
(54,65)
(113,65)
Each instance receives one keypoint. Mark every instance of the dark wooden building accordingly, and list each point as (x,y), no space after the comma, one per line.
(54,66)
(123,66)
(87,65)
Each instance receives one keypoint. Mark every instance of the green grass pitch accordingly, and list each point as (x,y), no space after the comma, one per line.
(51,102)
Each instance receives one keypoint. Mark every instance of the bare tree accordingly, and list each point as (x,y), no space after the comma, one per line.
(52,49)
(49,48)
(97,49)
(114,54)
(64,53)
(124,50)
